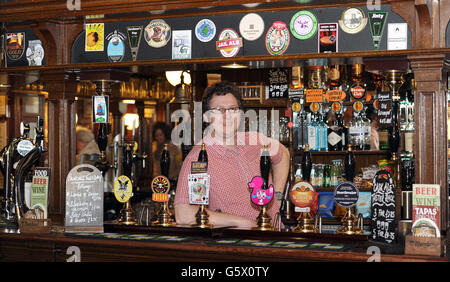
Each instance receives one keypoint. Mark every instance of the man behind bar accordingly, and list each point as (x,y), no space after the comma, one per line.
(233,160)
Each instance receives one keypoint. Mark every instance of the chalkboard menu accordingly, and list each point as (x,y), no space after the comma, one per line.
(278,83)
(383,225)
(84,199)
(385,108)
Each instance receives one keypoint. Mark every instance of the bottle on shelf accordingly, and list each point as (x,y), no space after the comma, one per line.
(358,88)
(366,130)
(316,77)
(300,130)
(356,131)
(336,134)
(313,134)
(335,174)
(323,133)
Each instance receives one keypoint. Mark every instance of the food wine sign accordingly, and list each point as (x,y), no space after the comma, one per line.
(426,210)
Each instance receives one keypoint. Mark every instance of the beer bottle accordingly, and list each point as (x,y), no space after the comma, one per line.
(165,161)
(349,164)
(264,165)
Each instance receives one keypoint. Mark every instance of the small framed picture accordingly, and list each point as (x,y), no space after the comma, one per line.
(100,109)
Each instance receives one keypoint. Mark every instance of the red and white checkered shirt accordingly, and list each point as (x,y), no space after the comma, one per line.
(230,172)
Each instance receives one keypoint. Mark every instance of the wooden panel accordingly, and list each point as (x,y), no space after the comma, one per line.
(53,247)
(430,119)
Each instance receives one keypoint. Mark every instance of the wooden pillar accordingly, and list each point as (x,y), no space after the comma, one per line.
(430,102)
(61,137)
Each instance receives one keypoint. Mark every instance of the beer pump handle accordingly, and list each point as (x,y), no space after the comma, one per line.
(102,138)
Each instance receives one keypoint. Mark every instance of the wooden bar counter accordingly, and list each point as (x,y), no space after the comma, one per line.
(184,244)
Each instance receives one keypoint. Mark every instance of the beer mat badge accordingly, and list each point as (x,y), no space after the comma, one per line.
(116,47)
(94,38)
(353,20)
(328,37)
(357,91)
(15,45)
(123,189)
(377,21)
(198,188)
(335,95)
(277,38)
(157,33)
(205,30)
(24,147)
(346,194)
(260,196)
(228,43)
(100,109)
(160,188)
(303,194)
(35,53)
(134,39)
(181,44)
(314,95)
(251,26)
(303,25)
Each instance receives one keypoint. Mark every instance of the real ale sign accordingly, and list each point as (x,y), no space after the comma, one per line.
(426,210)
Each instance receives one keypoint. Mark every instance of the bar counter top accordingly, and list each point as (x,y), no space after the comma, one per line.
(185,244)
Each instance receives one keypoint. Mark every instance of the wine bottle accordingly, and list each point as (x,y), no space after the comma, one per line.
(165,161)
(306,164)
(349,164)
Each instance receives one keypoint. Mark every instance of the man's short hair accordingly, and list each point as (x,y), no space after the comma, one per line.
(84,134)
(220,89)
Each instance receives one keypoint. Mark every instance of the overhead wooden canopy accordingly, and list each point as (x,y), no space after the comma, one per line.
(22,10)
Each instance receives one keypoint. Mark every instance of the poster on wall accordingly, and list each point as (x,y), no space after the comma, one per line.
(116,46)
(94,37)
(328,37)
(35,53)
(134,39)
(15,45)
(181,44)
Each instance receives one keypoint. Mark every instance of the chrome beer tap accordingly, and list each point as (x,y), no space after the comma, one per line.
(16,160)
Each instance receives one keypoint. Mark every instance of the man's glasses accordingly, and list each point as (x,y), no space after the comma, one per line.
(231,110)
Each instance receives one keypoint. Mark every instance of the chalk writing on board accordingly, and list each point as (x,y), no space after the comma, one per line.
(84,196)
(383,225)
